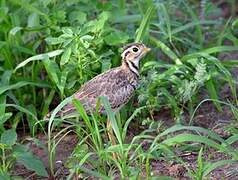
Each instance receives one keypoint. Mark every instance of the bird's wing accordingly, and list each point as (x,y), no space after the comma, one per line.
(104,84)
(114,85)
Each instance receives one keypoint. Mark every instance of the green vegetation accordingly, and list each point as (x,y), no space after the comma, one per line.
(49,48)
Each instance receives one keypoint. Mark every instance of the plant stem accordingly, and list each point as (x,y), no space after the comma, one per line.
(3,160)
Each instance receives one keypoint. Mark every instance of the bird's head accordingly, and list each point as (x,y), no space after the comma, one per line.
(132,53)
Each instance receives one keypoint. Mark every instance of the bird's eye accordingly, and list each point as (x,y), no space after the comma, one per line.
(135,49)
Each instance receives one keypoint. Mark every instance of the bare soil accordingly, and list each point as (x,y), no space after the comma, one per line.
(207,117)
(64,150)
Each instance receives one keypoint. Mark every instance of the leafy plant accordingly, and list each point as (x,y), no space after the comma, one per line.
(11,151)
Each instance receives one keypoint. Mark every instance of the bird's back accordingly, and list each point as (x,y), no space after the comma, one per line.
(117,85)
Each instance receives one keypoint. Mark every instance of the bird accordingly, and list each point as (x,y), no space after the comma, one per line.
(117,85)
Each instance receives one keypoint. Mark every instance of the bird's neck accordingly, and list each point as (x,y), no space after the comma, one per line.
(133,67)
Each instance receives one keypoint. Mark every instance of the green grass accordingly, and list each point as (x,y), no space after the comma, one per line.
(48,49)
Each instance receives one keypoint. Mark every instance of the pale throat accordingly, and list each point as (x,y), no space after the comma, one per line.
(136,62)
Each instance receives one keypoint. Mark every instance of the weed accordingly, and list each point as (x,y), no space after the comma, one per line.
(11,151)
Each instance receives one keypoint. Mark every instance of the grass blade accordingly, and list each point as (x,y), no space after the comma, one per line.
(192,138)
(144,24)
(111,117)
(210,167)
(166,50)
(213,93)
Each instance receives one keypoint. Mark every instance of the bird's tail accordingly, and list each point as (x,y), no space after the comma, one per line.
(68,109)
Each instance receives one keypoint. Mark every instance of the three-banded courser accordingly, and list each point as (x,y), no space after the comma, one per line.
(117,84)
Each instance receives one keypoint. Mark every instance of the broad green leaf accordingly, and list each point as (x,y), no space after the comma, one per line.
(4,118)
(33,20)
(54,40)
(19,149)
(67,31)
(63,79)
(172,70)
(20,108)
(5,176)
(106,60)
(115,38)
(97,25)
(86,38)
(29,7)
(25,50)
(77,16)
(59,15)
(33,163)
(53,70)
(15,30)
(19,85)
(65,57)
(102,18)
(9,137)
(40,57)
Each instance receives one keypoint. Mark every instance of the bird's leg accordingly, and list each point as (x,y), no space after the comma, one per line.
(111,137)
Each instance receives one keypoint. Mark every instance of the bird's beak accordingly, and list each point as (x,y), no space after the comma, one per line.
(146,50)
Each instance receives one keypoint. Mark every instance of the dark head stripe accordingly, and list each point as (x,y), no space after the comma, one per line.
(134,66)
(132,44)
(135,73)
(126,53)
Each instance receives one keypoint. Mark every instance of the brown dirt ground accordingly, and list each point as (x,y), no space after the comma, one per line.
(64,150)
(207,116)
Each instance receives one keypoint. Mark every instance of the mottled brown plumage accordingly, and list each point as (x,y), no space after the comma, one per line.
(117,84)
